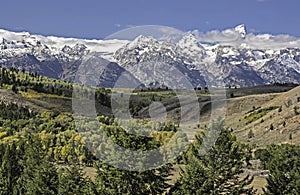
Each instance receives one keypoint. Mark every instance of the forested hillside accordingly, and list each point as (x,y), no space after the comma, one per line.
(42,151)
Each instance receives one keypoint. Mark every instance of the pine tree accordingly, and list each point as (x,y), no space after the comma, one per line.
(10,170)
(284,167)
(217,171)
(39,175)
(111,180)
(72,181)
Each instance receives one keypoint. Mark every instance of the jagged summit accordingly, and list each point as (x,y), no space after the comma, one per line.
(242,30)
(142,41)
(229,63)
(189,39)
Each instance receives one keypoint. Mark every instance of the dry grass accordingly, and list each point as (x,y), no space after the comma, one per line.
(175,174)
(90,172)
(284,122)
(259,183)
(33,94)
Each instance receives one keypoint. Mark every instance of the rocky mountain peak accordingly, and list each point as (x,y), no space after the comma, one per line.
(141,42)
(242,30)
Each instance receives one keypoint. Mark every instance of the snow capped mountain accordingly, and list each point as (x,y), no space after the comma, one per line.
(227,62)
(232,57)
(189,46)
(151,61)
(53,56)
(19,39)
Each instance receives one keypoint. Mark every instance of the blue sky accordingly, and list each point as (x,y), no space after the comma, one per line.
(100,18)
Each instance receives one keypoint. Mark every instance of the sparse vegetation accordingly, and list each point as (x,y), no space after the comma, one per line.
(255,115)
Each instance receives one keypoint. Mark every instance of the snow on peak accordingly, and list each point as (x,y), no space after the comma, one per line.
(13,36)
(188,40)
(141,42)
(189,45)
(21,40)
(241,29)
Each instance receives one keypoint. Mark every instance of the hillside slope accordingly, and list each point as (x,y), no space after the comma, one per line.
(266,118)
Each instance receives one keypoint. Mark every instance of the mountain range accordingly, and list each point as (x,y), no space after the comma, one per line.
(218,58)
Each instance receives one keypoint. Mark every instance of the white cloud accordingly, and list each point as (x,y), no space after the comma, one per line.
(257,41)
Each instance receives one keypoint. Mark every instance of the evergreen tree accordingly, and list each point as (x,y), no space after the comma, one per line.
(217,171)
(284,167)
(14,88)
(39,175)
(72,181)
(10,170)
(111,180)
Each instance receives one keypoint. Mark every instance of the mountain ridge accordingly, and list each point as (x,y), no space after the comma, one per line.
(231,57)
